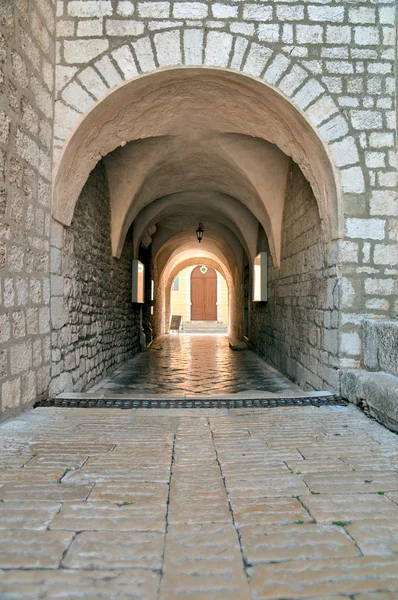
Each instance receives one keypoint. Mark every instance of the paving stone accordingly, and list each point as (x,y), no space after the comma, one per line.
(27,476)
(357,481)
(278,511)
(314,578)
(136,584)
(151,495)
(195,373)
(286,485)
(114,550)
(27,515)
(105,516)
(318,466)
(44,491)
(349,507)
(376,537)
(266,544)
(203,561)
(19,549)
(13,461)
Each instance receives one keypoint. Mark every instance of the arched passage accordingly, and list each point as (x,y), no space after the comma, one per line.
(245,127)
(184,146)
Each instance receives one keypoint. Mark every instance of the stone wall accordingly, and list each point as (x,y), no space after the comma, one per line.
(335,61)
(27,57)
(95,325)
(297,329)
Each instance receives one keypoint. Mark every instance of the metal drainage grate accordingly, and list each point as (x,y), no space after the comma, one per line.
(129,403)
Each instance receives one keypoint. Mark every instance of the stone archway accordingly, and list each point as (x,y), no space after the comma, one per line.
(173,158)
(136,110)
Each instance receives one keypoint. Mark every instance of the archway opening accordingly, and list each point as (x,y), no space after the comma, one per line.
(199,294)
(173,159)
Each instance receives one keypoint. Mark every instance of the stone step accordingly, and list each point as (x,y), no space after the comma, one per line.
(375,392)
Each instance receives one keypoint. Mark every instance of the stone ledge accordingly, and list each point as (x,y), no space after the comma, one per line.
(375,392)
(381,345)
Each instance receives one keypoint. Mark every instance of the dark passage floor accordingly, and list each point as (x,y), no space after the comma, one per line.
(195,364)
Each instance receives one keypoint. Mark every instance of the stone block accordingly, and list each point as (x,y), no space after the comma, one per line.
(257,12)
(376,391)
(82,51)
(77,97)
(381,345)
(89,8)
(224,11)
(20,550)
(20,357)
(256,60)
(190,10)
(123,28)
(90,28)
(168,48)
(122,549)
(193,46)
(218,48)
(125,61)
(108,71)
(372,229)
(326,13)
(11,394)
(154,10)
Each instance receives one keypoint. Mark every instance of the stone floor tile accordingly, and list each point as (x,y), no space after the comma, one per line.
(44,491)
(317,578)
(101,474)
(376,537)
(105,516)
(349,507)
(265,544)
(278,511)
(150,495)
(134,584)
(212,367)
(376,596)
(27,514)
(203,561)
(306,467)
(273,487)
(19,549)
(115,550)
(354,481)
(27,476)
(13,462)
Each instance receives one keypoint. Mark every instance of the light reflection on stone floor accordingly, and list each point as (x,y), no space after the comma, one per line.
(195,364)
(240,504)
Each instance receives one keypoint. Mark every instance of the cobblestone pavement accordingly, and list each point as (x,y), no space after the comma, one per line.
(195,364)
(284,503)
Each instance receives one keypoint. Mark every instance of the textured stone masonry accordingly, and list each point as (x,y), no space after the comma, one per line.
(95,326)
(27,76)
(335,62)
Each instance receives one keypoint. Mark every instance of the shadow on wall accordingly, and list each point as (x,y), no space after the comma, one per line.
(296,330)
(100,326)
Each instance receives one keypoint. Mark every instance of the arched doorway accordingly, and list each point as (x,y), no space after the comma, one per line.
(257,176)
(203,294)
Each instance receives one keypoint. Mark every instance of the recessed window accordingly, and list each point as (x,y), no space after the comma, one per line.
(175,284)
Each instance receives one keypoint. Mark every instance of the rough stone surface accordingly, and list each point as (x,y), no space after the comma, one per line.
(27,66)
(211,528)
(296,330)
(95,325)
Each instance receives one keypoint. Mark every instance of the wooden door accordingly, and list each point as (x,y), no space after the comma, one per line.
(204,294)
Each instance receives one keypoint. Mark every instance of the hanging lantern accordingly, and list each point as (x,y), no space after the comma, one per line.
(199,232)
